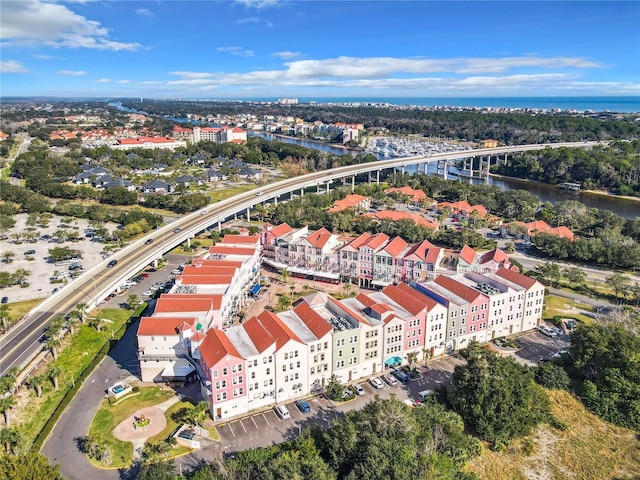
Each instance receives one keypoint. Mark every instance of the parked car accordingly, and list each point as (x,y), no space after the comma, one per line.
(346,393)
(282,411)
(204,212)
(389,380)
(177,230)
(422,396)
(112,263)
(30,252)
(376,382)
(549,332)
(358,389)
(149,241)
(303,406)
(560,353)
(4,300)
(400,375)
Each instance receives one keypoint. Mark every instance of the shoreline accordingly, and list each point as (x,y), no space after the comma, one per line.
(601,193)
(333,145)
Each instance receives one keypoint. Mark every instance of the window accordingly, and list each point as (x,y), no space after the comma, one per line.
(221,396)
(225,371)
(237,380)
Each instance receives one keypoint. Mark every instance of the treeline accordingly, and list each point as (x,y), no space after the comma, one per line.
(615,168)
(507,128)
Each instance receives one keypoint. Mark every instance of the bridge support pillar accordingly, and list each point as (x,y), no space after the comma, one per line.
(155,263)
(377,176)
(275,202)
(328,184)
(353,183)
(189,242)
(302,192)
(248,214)
(369,178)
(403,168)
(318,187)
(486,177)
(219,227)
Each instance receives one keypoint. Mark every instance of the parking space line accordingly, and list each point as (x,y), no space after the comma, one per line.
(232,432)
(265,418)
(241,423)
(254,422)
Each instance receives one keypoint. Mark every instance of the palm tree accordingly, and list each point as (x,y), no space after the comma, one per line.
(52,343)
(284,275)
(6,404)
(36,382)
(9,437)
(82,309)
(284,303)
(70,323)
(53,373)
(4,315)
(347,289)
(412,357)
(8,383)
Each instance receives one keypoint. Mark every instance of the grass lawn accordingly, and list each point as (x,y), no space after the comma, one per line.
(77,353)
(590,448)
(223,194)
(109,416)
(564,307)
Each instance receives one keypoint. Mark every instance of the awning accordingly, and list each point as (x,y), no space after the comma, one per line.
(393,361)
(255,289)
(178,370)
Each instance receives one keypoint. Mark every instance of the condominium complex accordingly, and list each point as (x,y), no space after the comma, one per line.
(417,313)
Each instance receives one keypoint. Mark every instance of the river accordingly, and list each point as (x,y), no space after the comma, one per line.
(546,193)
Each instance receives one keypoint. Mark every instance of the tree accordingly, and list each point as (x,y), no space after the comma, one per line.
(133,302)
(334,389)
(81,309)
(6,404)
(157,470)
(52,343)
(28,466)
(550,271)
(36,382)
(552,376)
(575,276)
(284,302)
(284,275)
(53,372)
(477,386)
(9,437)
(4,315)
(412,357)
(619,283)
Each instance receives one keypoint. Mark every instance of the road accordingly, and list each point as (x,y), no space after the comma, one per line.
(257,429)
(22,343)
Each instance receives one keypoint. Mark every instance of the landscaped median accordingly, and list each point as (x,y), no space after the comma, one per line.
(125,418)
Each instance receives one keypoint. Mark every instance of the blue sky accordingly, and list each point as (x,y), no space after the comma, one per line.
(272,48)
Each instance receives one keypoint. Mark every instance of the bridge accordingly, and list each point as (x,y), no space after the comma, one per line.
(23,342)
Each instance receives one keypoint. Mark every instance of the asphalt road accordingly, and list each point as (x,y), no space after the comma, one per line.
(252,430)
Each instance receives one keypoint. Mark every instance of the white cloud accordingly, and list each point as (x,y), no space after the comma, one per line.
(248,20)
(45,57)
(286,55)
(260,4)
(150,82)
(145,12)
(104,80)
(11,66)
(72,73)
(234,50)
(123,82)
(36,21)
(192,74)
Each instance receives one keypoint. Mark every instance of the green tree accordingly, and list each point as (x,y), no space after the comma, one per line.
(619,283)
(334,389)
(157,471)
(412,358)
(133,302)
(6,404)
(53,372)
(4,315)
(9,437)
(36,382)
(284,302)
(496,397)
(28,466)
(575,275)
(552,376)
(57,254)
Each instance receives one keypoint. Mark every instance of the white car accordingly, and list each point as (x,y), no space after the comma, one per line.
(282,411)
(390,380)
(376,382)
(358,389)
(204,212)
(549,332)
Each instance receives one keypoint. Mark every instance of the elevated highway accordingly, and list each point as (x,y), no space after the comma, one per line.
(24,341)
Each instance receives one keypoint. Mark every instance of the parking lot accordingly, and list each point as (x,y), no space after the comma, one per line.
(266,428)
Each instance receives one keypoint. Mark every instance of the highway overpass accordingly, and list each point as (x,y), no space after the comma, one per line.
(24,340)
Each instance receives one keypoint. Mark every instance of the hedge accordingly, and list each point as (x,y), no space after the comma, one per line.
(106,348)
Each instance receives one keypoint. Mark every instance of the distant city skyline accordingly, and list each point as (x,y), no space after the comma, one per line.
(271,48)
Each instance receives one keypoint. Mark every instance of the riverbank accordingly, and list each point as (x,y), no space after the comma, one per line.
(318,142)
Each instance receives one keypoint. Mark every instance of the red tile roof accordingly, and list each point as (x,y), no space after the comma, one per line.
(320,238)
(214,263)
(428,301)
(395,246)
(464,206)
(561,231)
(150,326)
(258,334)
(187,302)
(409,298)
(397,216)
(349,201)
(468,254)
(415,195)
(433,253)
(142,140)
(346,309)
(209,269)
(376,241)
(241,239)
(359,241)
(195,279)
(517,278)
(277,329)
(537,225)
(496,255)
(314,322)
(280,230)
(215,347)
(457,288)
